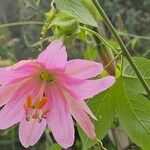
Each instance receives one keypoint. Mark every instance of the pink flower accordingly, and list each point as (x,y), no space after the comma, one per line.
(50,90)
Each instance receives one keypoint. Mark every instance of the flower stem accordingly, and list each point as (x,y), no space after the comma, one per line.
(112,61)
(20,23)
(122,46)
(134,36)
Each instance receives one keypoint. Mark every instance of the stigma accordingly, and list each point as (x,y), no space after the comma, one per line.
(35,110)
(46,76)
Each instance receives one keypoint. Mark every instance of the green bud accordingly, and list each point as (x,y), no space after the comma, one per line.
(107,56)
(51,14)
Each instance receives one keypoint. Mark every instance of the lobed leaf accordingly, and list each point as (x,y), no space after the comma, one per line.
(76,9)
(132,109)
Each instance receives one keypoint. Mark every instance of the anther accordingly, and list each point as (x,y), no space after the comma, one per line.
(35,109)
(29,101)
(42,102)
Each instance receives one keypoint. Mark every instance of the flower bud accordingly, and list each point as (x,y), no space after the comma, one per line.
(51,14)
(106,56)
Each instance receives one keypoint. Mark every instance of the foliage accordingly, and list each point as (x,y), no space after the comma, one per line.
(126,104)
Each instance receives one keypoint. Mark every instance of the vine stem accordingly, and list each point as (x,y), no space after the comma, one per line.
(122,45)
(100,37)
(20,23)
(103,148)
(134,36)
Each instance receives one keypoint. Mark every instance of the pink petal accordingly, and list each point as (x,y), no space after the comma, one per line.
(7,91)
(81,117)
(13,111)
(59,119)
(31,131)
(27,66)
(55,56)
(18,71)
(22,63)
(84,89)
(85,107)
(83,69)
(91,88)
(30,87)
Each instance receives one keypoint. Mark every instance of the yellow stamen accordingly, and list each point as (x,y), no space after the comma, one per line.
(45,112)
(34,109)
(29,101)
(26,109)
(42,102)
(36,114)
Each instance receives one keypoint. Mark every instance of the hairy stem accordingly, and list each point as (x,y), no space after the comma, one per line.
(122,46)
(134,36)
(20,23)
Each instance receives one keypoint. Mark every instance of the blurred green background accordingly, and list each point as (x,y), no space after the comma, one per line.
(130,17)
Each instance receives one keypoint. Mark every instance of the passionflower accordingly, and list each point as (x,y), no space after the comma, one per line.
(50,91)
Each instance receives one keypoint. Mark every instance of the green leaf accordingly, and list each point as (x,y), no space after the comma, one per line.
(64,26)
(63,19)
(102,106)
(134,114)
(76,9)
(86,142)
(90,53)
(82,36)
(92,9)
(132,109)
(131,81)
(114,44)
(55,147)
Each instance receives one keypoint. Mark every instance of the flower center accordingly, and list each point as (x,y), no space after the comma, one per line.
(46,76)
(35,109)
